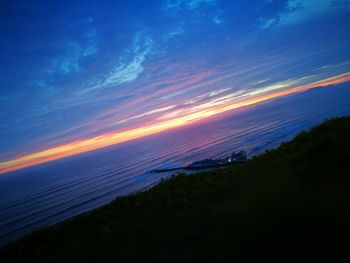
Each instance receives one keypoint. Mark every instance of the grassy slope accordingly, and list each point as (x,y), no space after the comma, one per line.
(290,203)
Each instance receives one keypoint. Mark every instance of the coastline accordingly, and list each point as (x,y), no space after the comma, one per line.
(292,177)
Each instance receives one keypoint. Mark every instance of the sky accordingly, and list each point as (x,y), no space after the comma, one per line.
(76,76)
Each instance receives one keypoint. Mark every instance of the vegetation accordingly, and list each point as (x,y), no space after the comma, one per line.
(288,204)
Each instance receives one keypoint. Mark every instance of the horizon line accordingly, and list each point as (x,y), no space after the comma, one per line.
(112,138)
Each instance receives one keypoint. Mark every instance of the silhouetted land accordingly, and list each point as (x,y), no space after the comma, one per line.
(289,204)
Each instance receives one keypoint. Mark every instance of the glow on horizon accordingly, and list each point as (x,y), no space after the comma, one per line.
(108,139)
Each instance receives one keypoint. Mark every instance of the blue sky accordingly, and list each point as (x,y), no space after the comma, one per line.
(74,70)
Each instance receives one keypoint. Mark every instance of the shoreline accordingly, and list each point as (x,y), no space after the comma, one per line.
(218,197)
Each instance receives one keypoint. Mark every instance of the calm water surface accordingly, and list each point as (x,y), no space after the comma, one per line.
(49,193)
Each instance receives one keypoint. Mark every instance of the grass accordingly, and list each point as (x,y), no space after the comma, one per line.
(289,204)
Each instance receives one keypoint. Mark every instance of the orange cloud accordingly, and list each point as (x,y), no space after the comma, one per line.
(81,146)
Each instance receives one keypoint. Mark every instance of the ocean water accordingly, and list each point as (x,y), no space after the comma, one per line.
(46,194)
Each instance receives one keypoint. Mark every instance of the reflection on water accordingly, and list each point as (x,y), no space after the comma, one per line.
(52,192)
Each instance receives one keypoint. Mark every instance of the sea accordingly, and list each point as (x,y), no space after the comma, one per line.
(46,194)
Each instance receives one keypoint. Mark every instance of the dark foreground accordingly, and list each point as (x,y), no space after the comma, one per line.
(290,204)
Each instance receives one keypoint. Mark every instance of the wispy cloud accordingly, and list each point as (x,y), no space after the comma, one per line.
(195,7)
(127,71)
(217,20)
(174,33)
(130,71)
(70,61)
(298,11)
(187,4)
(196,3)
